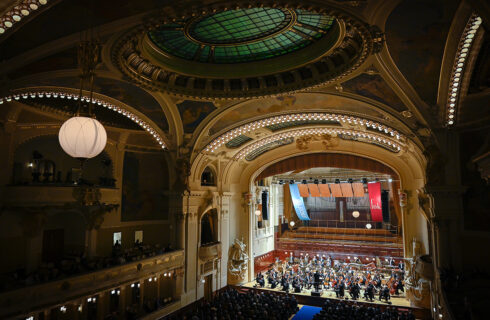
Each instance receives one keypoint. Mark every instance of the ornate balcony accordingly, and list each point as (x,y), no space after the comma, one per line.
(210,252)
(37,297)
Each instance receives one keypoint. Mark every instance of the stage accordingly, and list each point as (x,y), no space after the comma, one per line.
(397,301)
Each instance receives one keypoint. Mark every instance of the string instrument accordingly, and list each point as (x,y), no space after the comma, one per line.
(390,285)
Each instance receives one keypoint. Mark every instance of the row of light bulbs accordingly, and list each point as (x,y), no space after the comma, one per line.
(70,96)
(226,137)
(459,64)
(18,12)
(63,308)
(375,138)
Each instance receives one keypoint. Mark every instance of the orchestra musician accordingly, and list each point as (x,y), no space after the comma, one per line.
(354,290)
(260,280)
(384,293)
(369,292)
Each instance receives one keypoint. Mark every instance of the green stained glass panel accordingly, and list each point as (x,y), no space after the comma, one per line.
(242,35)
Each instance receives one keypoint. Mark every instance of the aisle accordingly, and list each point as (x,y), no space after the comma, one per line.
(306,313)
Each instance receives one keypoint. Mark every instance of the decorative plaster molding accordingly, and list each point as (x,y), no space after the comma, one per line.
(30,93)
(460,62)
(373,138)
(306,116)
(18,12)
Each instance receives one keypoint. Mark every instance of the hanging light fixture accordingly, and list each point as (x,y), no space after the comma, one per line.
(355,214)
(82,136)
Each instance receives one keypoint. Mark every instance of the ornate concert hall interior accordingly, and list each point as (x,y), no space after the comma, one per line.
(212,159)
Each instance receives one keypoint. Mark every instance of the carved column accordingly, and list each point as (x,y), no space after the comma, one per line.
(181,216)
(122,299)
(142,293)
(102,305)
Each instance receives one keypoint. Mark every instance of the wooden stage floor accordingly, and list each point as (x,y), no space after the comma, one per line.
(397,301)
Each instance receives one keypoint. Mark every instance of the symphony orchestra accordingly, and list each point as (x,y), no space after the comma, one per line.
(324,273)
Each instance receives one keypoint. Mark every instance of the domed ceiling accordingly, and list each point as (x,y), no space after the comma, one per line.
(242,52)
(242,35)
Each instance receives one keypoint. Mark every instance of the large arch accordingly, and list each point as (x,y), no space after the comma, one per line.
(239,176)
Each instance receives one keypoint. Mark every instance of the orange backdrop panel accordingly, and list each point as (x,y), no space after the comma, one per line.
(358,189)
(303,190)
(336,191)
(314,191)
(324,190)
(346,189)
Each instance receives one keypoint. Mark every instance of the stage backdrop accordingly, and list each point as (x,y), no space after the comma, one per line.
(374,190)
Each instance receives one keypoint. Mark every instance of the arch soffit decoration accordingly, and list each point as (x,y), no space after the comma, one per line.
(378,115)
(70,93)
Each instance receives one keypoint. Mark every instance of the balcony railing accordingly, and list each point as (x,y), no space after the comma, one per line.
(37,297)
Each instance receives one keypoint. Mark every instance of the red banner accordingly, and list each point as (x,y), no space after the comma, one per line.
(374,190)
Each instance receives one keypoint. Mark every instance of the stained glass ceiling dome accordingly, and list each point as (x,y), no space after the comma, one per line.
(241,35)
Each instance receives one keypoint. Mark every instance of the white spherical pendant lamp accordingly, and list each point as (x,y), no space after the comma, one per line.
(82,137)
(355,214)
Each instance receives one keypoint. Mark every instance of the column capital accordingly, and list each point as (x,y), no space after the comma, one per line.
(180,215)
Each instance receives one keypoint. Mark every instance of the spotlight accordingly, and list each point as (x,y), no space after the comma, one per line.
(337,181)
(304,181)
(368,226)
(324,181)
(364,180)
(350,180)
(281,182)
(291,181)
(390,180)
(315,181)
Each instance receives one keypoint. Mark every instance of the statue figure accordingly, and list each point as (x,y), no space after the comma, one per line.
(418,282)
(238,260)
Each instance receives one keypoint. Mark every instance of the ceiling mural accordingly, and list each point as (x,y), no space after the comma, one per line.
(63,60)
(376,88)
(416,32)
(119,90)
(193,112)
(301,101)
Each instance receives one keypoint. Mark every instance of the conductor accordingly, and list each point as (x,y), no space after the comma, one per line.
(316,281)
